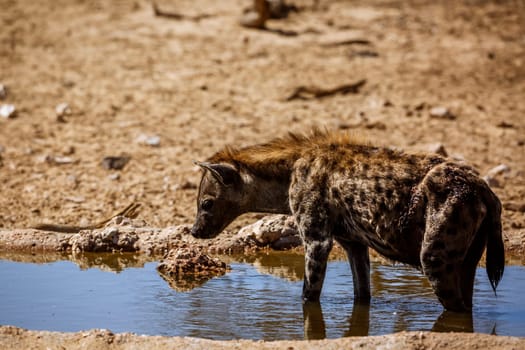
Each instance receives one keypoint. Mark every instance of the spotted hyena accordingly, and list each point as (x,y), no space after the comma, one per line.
(418,209)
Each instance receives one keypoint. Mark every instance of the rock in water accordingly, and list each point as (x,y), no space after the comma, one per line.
(185,269)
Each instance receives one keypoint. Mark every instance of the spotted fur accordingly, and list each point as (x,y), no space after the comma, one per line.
(418,209)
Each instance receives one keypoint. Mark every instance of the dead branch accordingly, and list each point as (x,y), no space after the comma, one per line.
(131,212)
(347,42)
(174,15)
(310,92)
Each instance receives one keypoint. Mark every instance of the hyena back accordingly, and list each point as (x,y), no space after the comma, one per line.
(422,210)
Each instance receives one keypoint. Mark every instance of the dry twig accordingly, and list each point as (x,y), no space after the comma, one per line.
(131,212)
(309,92)
(174,15)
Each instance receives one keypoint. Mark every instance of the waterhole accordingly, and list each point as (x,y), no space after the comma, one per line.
(258,299)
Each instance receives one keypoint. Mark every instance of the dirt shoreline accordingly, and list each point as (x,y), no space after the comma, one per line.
(133,243)
(17,338)
(261,235)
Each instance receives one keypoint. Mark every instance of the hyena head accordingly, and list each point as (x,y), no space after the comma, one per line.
(219,200)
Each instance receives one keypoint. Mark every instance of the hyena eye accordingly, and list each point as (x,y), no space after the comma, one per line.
(207,204)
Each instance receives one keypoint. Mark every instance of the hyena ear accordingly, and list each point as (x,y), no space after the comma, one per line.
(226,174)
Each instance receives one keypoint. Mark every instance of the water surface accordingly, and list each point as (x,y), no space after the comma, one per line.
(256,300)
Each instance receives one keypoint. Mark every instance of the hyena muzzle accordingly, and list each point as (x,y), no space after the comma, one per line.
(422,210)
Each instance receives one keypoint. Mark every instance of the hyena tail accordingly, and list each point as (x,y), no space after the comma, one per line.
(491,226)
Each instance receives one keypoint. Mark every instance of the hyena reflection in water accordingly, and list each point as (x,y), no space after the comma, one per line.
(421,210)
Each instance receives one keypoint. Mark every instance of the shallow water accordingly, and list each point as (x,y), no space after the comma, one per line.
(256,300)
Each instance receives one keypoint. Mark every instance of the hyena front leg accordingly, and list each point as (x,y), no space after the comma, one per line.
(310,211)
(316,258)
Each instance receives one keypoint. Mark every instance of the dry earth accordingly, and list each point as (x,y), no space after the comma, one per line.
(16,338)
(168,91)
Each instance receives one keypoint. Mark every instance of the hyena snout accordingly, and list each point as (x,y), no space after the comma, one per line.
(204,227)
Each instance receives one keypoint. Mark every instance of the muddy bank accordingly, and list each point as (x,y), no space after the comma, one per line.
(274,232)
(17,338)
(131,236)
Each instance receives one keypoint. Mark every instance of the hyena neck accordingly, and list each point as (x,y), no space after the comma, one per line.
(265,196)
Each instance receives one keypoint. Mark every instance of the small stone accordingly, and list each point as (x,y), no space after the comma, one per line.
(512,206)
(76,199)
(114,176)
(58,160)
(63,160)
(72,181)
(7,111)
(150,140)
(505,125)
(441,113)
(62,110)
(346,126)
(3,91)
(420,106)
(115,163)
(498,170)
(492,175)
(188,185)
(69,150)
(437,148)
(375,125)
(110,234)
(458,158)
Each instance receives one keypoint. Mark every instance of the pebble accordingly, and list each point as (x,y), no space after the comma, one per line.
(437,148)
(72,181)
(252,19)
(7,111)
(492,175)
(505,125)
(115,163)
(59,160)
(187,185)
(76,199)
(150,140)
(3,91)
(498,170)
(441,113)
(512,206)
(62,109)
(114,177)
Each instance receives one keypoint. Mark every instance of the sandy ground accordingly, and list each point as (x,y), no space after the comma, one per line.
(168,91)
(16,338)
(201,84)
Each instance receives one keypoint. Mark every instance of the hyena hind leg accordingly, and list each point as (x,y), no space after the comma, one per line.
(451,251)
(470,263)
(468,271)
(444,277)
